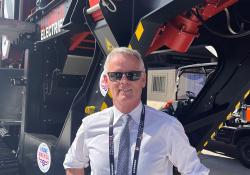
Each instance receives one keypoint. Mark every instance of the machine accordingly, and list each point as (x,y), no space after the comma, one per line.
(62,45)
(235,130)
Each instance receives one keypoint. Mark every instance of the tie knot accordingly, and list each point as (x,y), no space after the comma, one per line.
(126,118)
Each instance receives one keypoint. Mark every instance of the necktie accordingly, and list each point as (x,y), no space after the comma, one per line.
(124,148)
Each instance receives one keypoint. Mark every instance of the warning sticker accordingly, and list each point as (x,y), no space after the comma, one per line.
(43,157)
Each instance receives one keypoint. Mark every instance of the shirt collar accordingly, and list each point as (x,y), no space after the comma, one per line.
(135,114)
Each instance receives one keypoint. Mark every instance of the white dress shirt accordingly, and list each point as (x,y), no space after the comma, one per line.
(164,144)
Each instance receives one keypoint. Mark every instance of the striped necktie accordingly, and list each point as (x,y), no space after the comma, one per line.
(124,148)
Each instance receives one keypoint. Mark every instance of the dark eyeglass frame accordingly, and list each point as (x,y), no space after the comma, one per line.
(131,75)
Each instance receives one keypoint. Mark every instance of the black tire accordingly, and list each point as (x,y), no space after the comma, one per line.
(243,147)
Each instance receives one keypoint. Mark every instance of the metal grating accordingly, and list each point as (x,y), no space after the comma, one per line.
(8,160)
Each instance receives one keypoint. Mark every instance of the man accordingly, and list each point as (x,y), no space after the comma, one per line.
(155,141)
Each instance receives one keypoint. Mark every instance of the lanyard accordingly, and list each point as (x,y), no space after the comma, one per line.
(137,146)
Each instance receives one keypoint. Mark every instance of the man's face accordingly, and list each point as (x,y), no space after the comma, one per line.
(124,91)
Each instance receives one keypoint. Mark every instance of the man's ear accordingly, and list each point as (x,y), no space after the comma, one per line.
(103,84)
(105,80)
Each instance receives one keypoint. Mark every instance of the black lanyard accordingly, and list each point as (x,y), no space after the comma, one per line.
(137,146)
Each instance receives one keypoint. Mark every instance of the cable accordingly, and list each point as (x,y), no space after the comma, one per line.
(229,23)
(105,4)
(52,80)
(246,33)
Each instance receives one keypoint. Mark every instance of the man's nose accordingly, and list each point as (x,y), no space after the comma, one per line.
(124,78)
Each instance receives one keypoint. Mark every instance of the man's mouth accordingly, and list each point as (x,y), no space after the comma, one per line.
(126,90)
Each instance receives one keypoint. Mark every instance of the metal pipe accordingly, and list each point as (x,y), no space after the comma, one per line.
(20,16)
(1,40)
(93,9)
(2,9)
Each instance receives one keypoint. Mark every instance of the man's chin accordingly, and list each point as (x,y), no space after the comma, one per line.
(125,99)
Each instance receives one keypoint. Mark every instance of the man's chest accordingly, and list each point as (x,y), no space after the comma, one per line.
(153,150)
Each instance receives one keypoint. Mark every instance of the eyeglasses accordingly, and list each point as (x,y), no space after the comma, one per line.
(131,76)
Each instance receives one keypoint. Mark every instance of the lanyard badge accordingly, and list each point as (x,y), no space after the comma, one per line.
(137,146)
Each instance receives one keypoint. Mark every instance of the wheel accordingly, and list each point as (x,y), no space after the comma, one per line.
(244,151)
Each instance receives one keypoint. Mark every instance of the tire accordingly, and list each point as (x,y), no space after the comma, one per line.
(243,147)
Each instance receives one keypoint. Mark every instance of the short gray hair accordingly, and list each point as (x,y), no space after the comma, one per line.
(124,51)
